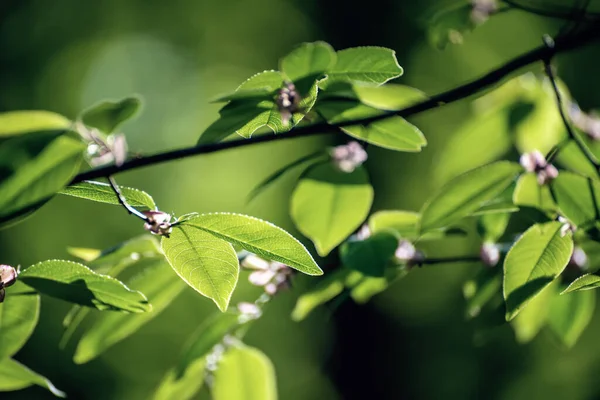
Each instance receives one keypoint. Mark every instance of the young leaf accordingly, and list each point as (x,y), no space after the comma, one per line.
(534,261)
(532,319)
(491,227)
(570,315)
(34,167)
(363,288)
(244,373)
(259,237)
(449,24)
(78,284)
(308,60)
(577,197)
(480,290)
(584,282)
(158,283)
(108,115)
(20,122)
(18,317)
(328,205)
(325,290)
(404,223)
(374,65)
(206,263)
(370,256)
(16,376)
(389,97)
(103,193)
(467,193)
(184,387)
(528,192)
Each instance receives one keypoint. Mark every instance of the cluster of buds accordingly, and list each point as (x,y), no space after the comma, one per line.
(490,254)
(566,227)
(158,223)
(482,10)
(407,253)
(587,123)
(536,162)
(288,102)
(103,150)
(273,276)
(8,276)
(348,157)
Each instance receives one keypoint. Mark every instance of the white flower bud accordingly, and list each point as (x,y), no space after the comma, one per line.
(158,223)
(348,157)
(250,310)
(490,254)
(253,261)
(579,259)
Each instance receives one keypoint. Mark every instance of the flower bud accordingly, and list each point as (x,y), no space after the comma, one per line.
(490,254)
(566,227)
(579,259)
(288,102)
(250,310)
(158,223)
(406,252)
(348,157)
(536,162)
(482,9)
(8,276)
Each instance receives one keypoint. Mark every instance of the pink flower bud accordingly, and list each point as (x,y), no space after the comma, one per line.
(8,276)
(490,254)
(406,252)
(158,223)
(579,259)
(348,157)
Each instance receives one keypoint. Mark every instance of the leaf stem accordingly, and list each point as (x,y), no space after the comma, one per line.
(123,201)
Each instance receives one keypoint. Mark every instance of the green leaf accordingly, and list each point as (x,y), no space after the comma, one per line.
(114,260)
(206,263)
(184,387)
(534,261)
(370,256)
(18,317)
(389,97)
(528,192)
(466,193)
(103,193)
(449,24)
(328,205)
(326,289)
(244,373)
(491,227)
(33,168)
(532,319)
(160,285)
(16,376)
(577,197)
(370,64)
(76,283)
(584,282)
(20,122)
(363,288)
(84,253)
(308,60)
(570,315)
(572,158)
(108,115)
(259,237)
(404,223)
(480,290)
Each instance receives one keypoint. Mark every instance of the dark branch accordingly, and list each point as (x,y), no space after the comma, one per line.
(123,201)
(446,260)
(564,15)
(459,93)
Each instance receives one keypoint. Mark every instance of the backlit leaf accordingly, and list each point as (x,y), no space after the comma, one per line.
(16,376)
(18,317)
(108,115)
(103,193)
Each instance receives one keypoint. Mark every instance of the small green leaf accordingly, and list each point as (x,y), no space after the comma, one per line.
(584,282)
(532,319)
(308,60)
(449,24)
(114,260)
(84,253)
(534,261)
(103,193)
(570,315)
(20,122)
(577,197)
(363,288)
(528,192)
(325,290)
(572,158)
(184,387)
(78,284)
(389,97)
(16,376)
(33,168)
(18,317)
(404,223)
(491,227)
(370,64)
(206,263)
(466,193)
(158,282)
(108,115)
(244,373)
(328,205)
(480,290)
(370,256)
(259,237)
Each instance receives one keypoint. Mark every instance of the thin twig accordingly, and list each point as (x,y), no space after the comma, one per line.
(457,259)
(450,96)
(123,201)
(585,17)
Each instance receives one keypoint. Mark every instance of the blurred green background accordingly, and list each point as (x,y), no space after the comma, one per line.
(409,342)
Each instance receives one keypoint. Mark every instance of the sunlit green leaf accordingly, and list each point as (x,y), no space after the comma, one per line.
(325,290)
(205,262)
(328,205)
(308,60)
(572,158)
(404,223)
(18,317)
(569,315)
(184,387)
(244,373)
(391,96)
(370,256)
(20,122)
(532,319)
(577,197)
(481,289)
(16,376)
(585,282)
(84,253)
(534,261)
(363,288)
(530,193)
(108,115)
(491,227)
(113,260)
(103,193)
(467,193)
(449,24)
(78,284)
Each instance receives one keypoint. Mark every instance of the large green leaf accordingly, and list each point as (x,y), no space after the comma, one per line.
(308,60)
(467,193)
(328,205)
(530,193)
(577,197)
(205,262)
(108,115)
(18,317)
(78,284)
(259,237)
(20,122)
(33,168)
(158,283)
(244,373)
(325,290)
(103,193)
(569,315)
(534,261)
(16,376)
(374,65)
(370,256)
(532,319)
(584,282)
